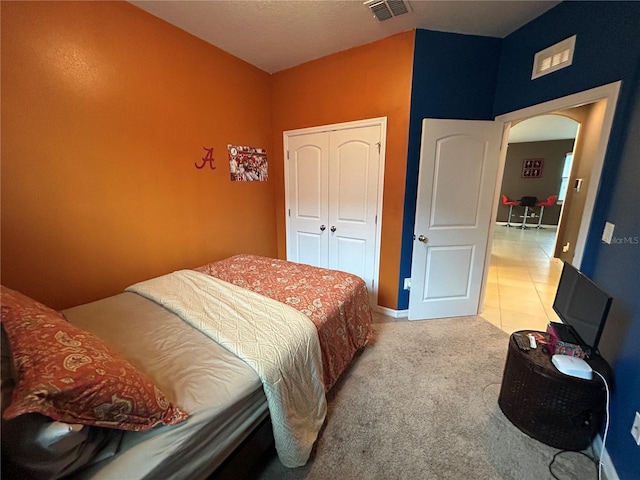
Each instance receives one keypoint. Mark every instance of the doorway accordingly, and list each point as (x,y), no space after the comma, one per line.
(522,298)
(547,141)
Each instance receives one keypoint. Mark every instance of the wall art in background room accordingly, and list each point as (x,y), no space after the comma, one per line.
(532,167)
(247,164)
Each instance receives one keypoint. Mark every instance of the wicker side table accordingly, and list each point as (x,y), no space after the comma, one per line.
(558,410)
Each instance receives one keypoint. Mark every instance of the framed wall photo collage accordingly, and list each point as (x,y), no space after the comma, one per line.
(532,167)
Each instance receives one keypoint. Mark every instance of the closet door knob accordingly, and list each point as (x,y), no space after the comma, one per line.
(422,239)
(323,228)
(333,228)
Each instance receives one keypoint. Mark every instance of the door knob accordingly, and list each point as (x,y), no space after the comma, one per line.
(323,228)
(333,228)
(423,239)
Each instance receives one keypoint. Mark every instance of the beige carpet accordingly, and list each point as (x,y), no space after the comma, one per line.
(421,403)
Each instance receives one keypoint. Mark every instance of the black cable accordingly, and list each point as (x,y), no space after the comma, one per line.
(606,428)
(595,462)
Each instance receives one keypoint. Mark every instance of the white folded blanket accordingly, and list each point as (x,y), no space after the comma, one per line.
(278,342)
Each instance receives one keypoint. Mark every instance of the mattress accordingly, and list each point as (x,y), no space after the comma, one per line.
(223,395)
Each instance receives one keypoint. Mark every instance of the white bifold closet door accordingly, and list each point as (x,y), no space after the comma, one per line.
(332,199)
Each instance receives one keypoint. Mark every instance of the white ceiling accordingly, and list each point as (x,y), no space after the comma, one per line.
(543,128)
(277,34)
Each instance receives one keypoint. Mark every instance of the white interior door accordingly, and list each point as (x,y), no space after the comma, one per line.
(308,199)
(458,166)
(354,160)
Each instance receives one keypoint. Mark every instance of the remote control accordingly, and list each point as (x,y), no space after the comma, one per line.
(523,343)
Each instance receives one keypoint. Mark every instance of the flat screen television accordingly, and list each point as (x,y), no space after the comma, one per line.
(582,305)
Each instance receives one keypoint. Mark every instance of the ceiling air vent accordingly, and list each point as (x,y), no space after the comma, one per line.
(386,9)
(554,58)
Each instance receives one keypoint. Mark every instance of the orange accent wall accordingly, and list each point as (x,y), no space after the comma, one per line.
(105,111)
(370,81)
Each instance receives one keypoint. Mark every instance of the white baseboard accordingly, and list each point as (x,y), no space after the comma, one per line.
(392,313)
(608,469)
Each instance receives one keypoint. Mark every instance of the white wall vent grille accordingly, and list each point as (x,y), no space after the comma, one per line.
(386,9)
(554,58)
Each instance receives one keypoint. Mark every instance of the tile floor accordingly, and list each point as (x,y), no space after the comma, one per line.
(522,281)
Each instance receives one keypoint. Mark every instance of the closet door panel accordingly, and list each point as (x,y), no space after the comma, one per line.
(308,199)
(353,196)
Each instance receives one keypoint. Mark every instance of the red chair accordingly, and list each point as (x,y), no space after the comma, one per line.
(511,204)
(549,202)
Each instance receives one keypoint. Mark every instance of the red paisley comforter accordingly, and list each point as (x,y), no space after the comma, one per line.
(337,302)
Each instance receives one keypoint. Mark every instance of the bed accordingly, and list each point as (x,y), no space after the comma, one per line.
(225,398)
(335,301)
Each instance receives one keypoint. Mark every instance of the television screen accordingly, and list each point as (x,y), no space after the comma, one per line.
(582,304)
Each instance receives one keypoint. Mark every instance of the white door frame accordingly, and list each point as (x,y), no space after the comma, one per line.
(607,92)
(378,121)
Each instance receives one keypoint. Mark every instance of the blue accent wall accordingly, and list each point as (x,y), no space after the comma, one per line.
(454,76)
(607,50)
(616,267)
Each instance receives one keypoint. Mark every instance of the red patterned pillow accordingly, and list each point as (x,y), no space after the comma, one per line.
(72,376)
